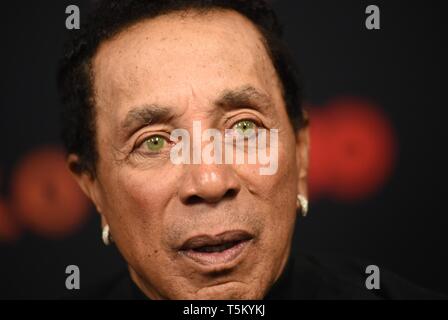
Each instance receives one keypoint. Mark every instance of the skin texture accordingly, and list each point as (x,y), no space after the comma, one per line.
(185,62)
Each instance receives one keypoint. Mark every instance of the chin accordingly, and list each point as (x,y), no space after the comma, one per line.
(229,291)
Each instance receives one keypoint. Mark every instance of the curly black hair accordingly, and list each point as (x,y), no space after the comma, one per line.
(75,77)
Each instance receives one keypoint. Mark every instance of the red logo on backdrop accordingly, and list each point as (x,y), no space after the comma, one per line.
(44,197)
(352,149)
(352,155)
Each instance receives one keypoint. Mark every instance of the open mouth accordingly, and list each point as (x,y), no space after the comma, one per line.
(212,250)
(217,248)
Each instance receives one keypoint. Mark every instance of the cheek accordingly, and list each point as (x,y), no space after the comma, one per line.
(284,192)
(136,201)
(279,188)
(275,195)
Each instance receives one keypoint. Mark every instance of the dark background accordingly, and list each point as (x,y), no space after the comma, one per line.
(401,68)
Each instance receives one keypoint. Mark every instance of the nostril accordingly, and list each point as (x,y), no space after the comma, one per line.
(195,199)
(231,193)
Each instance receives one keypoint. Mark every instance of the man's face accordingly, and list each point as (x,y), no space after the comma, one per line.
(192,231)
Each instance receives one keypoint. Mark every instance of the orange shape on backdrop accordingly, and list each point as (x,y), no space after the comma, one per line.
(45,196)
(9,229)
(352,149)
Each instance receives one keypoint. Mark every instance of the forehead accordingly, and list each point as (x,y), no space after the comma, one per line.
(179,57)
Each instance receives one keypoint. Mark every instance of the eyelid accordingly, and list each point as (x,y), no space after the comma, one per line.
(253,119)
(144,137)
(241,115)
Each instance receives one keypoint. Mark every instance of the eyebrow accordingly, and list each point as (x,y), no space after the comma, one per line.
(245,97)
(148,114)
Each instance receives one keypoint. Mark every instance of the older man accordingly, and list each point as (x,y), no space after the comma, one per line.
(192,230)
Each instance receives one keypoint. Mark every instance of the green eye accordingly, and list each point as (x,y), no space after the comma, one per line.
(155,143)
(245,127)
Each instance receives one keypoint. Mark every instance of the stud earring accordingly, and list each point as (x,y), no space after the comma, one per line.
(302,202)
(107,238)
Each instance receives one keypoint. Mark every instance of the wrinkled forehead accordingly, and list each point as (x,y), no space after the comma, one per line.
(179,55)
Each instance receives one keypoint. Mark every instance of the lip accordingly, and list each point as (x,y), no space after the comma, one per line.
(239,240)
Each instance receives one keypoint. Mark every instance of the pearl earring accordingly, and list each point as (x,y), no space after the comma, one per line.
(302,202)
(107,238)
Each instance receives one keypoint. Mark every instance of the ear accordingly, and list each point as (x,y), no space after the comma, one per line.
(302,156)
(87,182)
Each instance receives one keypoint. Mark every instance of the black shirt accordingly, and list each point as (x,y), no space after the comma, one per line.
(306,277)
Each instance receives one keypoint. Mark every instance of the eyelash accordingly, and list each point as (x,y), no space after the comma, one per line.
(138,145)
(257,122)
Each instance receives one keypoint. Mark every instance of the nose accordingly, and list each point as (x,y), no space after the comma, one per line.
(208,183)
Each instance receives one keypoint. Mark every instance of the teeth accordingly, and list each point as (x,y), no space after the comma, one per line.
(217,248)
